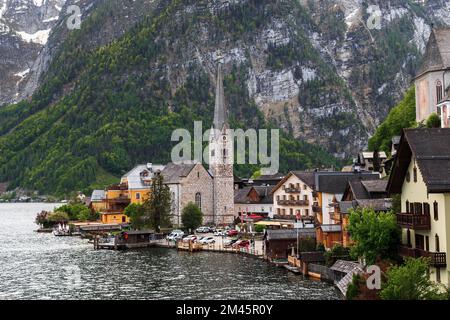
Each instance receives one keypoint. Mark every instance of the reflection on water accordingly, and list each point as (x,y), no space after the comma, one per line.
(41,266)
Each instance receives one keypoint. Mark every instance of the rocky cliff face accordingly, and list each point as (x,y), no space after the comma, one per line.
(325,71)
(25,26)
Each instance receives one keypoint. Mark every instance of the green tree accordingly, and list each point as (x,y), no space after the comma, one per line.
(411,281)
(157,206)
(192,216)
(400,117)
(433,121)
(136,214)
(56,217)
(376,235)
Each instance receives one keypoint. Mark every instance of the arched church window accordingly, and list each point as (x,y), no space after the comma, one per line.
(198,200)
(439,92)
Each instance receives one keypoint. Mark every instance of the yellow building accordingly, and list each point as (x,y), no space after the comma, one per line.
(134,187)
(421,175)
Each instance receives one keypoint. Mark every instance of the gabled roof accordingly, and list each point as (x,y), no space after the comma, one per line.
(336,182)
(290,234)
(375,204)
(264,192)
(134,178)
(431,149)
(98,195)
(346,266)
(174,173)
(305,177)
(358,190)
(369,155)
(437,54)
(374,186)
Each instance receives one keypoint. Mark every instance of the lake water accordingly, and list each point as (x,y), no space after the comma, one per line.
(41,266)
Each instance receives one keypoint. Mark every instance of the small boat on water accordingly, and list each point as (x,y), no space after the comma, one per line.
(62,230)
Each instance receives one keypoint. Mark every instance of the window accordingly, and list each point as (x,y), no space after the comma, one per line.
(438,91)
(306,212)
(427,243)
(278,198)
(278,211)
(408,238)
(198,174)
(408,176)
(305,197)
(304,187)
(407,207)
(291,212)
(138,196)
(436,210)
(415,174)
(438,275)
(426,208)
(198,200)
(438,249)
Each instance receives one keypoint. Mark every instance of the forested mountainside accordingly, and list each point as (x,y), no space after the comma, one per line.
(113,91)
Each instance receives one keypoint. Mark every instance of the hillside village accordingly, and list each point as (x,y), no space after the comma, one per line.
(287,211)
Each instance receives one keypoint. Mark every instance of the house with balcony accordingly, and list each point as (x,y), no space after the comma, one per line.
(254,201)
(134,187)
(293,196)
(361,194)
(421,175)
(329,188)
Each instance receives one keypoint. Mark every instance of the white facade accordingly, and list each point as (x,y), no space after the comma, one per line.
(292,197)
(437,239)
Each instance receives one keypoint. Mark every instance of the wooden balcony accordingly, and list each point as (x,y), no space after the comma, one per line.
(437,259)
(119,200)
(414,221)
(293,202)
(292,190)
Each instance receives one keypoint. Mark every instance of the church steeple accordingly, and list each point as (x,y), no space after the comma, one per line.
(220,111)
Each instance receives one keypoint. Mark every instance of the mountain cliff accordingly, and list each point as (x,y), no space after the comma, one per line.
(111,93)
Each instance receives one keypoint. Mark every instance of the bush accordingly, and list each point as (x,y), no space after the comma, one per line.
(433,121)
(192,216)
(259,228)
(411,281)
(337,252)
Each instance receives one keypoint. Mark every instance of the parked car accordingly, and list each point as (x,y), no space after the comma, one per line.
(202,230)
(229,242)
(241,244)
(192,238)
(232,233)
(207,240)
(219,233)
(175,235)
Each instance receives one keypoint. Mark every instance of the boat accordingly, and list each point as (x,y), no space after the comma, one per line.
(62,230)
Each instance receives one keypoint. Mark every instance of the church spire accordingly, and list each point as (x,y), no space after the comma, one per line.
(220,112)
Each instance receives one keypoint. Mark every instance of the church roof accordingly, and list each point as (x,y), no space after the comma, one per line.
(173,173)
(437,54)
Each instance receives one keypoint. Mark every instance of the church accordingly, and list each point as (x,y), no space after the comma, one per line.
(432,81)
(212,190)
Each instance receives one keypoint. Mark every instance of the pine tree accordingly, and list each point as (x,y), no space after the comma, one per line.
(157,206)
